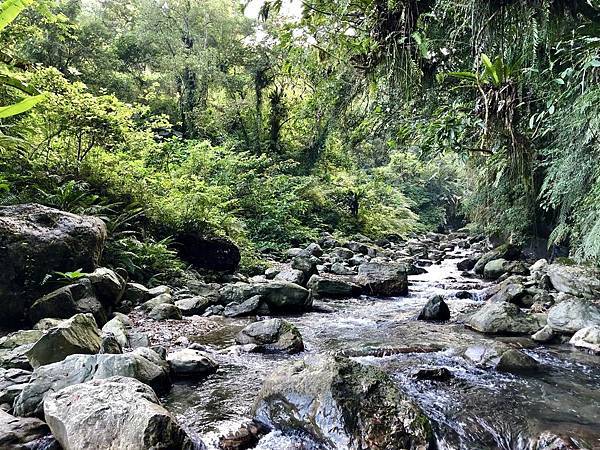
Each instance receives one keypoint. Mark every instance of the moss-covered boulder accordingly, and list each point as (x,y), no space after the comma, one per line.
(340,403)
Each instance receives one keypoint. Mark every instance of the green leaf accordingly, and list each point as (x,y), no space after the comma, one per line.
(11,81)
(463,75)
(21,107)
(10,9)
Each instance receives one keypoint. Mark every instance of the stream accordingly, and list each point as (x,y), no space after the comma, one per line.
(475,409)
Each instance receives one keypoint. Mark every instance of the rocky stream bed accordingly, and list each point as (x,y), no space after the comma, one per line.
(438,341)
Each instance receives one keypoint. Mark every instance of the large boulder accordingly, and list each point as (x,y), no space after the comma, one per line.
(324,287)
(587,338)
(340,403)
(78,335)
(573,314)
(278,295)
(385,279)
(504,318)
(210,253)
(37,240)
(20,433)
(508,252)
(272,336)
(112,414)
(58,304)
(575,280)
(142,364)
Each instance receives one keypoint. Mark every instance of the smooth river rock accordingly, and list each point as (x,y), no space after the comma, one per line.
(117,413)
(573,314)
(383,279)
(272,336)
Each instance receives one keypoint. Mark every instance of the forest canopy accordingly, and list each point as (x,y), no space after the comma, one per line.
(379,117)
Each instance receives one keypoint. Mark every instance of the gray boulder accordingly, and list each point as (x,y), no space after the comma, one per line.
(118,327)
(575,280)
(165,311)
(291,275)
(272,336)
(190,362)
(500,358)
(384,279)
(142,364)
(340,403)
(495,269)
(12,382)
(278,295)
(158,300)
(196,306)
(57,304)
(508,252)
(313,249)
(341,254)
(136,293)
(246,308)
(35,241)
(18,433)
(112,414)
(573,314)
(14,347)
(340,269)
(108,286)
(587,338)
(78,335)
(504,318)
(323,287)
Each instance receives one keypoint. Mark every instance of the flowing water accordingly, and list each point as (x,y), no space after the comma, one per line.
(476,409)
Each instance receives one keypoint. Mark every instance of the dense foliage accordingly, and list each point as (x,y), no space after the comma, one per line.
(378,118)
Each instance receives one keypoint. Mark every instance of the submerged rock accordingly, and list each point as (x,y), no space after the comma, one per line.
(143,364)
(272,336)
(435,309)
(515,361)
(385,279)
(112,414)
(341,404)
(503,318)
(37,240)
